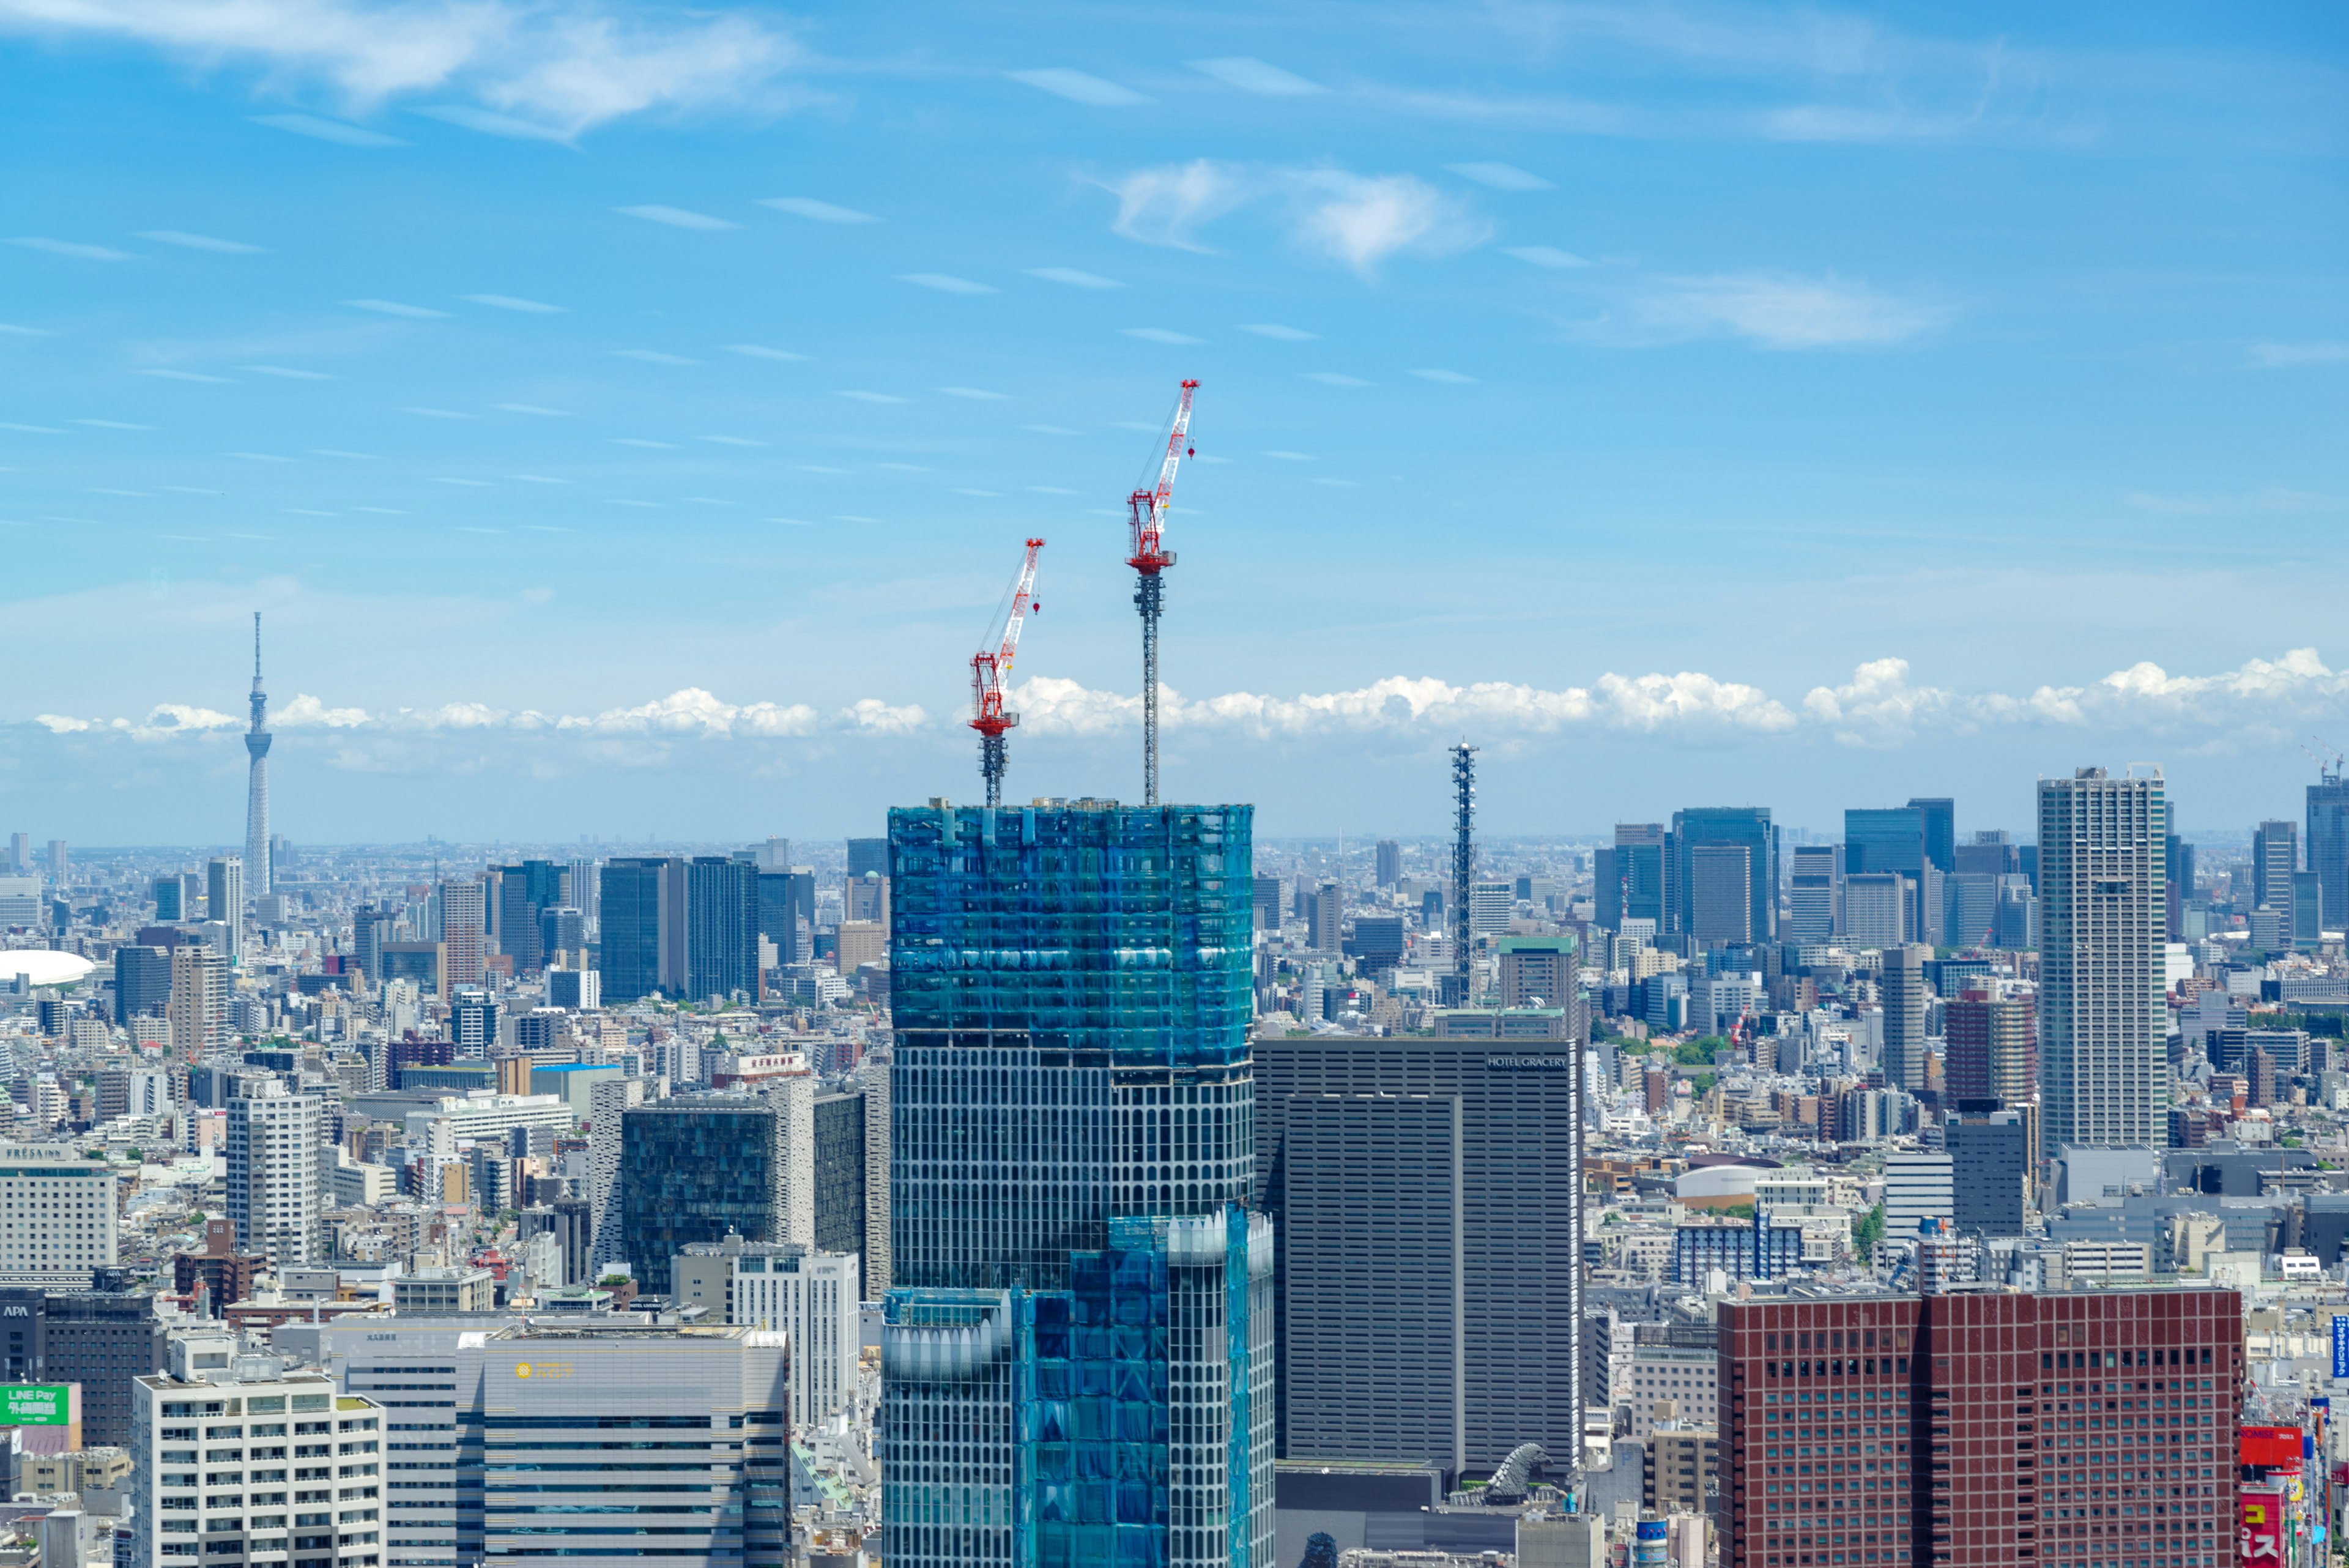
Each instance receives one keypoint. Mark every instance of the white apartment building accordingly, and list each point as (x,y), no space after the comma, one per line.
(57,1215)
(2103,938)
(480,1114)
(242,1465)
(279,1171)
(198,1009)
(1916,1187)
(810,1297)
(607,1102)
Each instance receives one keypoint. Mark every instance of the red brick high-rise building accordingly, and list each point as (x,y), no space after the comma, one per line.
(1980,1430)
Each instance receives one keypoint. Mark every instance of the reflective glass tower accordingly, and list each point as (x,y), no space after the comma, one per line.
(1077,1358)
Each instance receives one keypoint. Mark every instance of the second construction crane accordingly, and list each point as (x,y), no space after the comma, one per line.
(989,668)
(1147,508)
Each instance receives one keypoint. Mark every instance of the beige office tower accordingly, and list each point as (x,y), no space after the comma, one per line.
(1901,983)
(199,1005)
(2104,925)
(464,933)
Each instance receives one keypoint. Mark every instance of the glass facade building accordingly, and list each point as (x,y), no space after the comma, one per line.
(1744,826)
(1077,1358)
(693,1170)
(722,936)
(630,957)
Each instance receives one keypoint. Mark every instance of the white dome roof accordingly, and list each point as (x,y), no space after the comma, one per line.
(42,966)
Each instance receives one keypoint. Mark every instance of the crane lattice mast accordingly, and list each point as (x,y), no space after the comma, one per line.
(989,668)
(1147,511)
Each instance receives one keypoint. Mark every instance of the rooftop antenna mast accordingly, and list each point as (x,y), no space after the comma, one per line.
(1147,510)
(1463,867)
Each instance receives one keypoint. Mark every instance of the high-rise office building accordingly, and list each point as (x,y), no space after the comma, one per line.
(1537,972)
(1940,1383)
(61,1213)
(694,1168)
(166,892)
(2328,842)
(198,1009)
(2103,1025)
(1876,906)
(868,855)
(142,982)
(259,881)
(1893,839)
(786,900)
(1989,1048)
(1070,1150)
(1744,826)
(634,896)
(1902,987)
(608,1104)
(1324,918)
(2310,913)
(721,939)
(808,1295)
(1939,817)
(1991,1160)
(100,1339)
(524,892)
(1388,859)
(464,932)
(1389,1165)
(1814,893)
(1631,878)
(1721,888)
(2178,882)
(631,1401)
(278,1166)
(225,898)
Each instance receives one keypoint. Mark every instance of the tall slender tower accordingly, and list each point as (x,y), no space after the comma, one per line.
(257,877)
(2102,855)
(1464,873)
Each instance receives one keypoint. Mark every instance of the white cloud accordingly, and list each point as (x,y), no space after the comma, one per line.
(1161,335)
(73,248)
(171,375)
(1362,220)
(1168,206)
(332,131)
(821,212)
(1543,255)
(570,66)
(1359,220)
(675,217)
(1501,176)
(1251,75)
(2287,356)
(760,351)
(946,282)
(1280,334)
(284,372)
(653,356)
(509,302)
(1780,310)
(488,124)
(1448,377)
(306,712)
(1074,278)
(1080,86)
(201,243)
(394,307)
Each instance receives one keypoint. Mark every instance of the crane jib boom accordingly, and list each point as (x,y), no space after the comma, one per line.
(989,668)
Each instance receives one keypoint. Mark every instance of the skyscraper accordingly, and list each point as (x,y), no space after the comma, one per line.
(464,932)
(524,891)
(2276,856)
(2328,842)
(696,1167)
(722,936)
(1902,984)
(1389,863)
(1631,876)
(1990,1051)
(224,899)
(1815,900)
(198,1009)
(2103,1070)
(1893,839)
(1073,1093)
(1747,827)
(256,792)
(1938,817)
(276,1162)
(632,888)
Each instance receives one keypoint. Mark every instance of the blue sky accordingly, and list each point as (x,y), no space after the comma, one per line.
(627,418)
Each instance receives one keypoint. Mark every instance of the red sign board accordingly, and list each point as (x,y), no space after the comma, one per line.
(2261,1538)
(2277,1445)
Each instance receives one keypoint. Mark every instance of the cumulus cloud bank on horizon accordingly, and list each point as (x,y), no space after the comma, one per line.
(1880,706)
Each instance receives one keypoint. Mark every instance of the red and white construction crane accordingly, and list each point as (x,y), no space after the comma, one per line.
(1147,509)
(989,668)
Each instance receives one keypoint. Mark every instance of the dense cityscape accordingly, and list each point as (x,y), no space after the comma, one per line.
(1083,1182)
(1692,912)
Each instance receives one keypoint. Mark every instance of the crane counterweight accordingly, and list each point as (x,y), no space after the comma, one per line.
(990,667)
